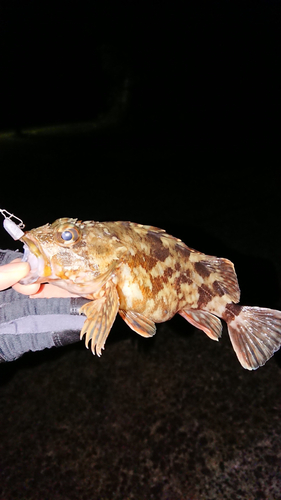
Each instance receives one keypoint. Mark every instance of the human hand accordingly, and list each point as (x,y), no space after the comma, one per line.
(33,325)
(12,273)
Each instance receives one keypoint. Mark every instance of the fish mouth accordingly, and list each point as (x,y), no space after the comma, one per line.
(39,267)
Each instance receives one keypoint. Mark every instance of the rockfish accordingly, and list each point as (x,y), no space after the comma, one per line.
(147,276)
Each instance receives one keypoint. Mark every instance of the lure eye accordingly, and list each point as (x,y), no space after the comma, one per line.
(68,236)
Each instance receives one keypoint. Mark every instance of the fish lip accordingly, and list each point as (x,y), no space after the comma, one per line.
(36,261)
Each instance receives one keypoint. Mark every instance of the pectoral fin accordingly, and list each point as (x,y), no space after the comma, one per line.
(101,314)
(203,320)
(139,323)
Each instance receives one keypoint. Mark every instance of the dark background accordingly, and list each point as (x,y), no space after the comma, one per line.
(163,113)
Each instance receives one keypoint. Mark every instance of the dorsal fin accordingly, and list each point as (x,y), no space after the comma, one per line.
(224,279)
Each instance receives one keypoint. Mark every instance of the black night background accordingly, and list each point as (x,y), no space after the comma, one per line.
(162,113)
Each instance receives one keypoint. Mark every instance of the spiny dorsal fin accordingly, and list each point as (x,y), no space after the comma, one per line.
(224,276)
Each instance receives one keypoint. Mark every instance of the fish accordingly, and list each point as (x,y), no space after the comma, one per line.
(147,276)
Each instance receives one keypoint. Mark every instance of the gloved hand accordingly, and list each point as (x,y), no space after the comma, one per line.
(33,324)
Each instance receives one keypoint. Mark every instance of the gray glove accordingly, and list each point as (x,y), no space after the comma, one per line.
(35,324)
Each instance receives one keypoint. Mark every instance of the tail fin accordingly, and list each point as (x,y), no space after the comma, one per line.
(255,334)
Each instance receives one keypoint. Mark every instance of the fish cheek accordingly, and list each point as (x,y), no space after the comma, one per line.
(58,266)
(63,265)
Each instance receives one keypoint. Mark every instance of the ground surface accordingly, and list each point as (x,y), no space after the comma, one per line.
(176,419)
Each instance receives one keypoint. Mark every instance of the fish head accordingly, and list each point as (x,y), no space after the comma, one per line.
(70,254)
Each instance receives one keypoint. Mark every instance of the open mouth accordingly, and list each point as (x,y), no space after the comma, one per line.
(36,262)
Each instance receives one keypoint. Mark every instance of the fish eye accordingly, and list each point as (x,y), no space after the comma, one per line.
(68,235)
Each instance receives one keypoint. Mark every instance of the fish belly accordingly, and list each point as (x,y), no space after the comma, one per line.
(153,296)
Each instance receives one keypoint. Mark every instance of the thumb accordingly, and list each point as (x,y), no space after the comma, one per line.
(12,273)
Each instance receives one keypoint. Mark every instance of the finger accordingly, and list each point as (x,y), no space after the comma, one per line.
(26,289)
(48,290)
(12,273)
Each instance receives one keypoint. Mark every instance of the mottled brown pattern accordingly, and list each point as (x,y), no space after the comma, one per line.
(218,289)
(143,260)
(182,251)
(157,248)
(185,277)
(177,266)
(228,281)
(202,270)
(150,262)
(157,286)
(231,310)
(205,295)
(180,280)
(168,273)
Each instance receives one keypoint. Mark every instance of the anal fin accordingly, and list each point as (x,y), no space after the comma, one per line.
(101,313)
(139,323)
(203,320)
